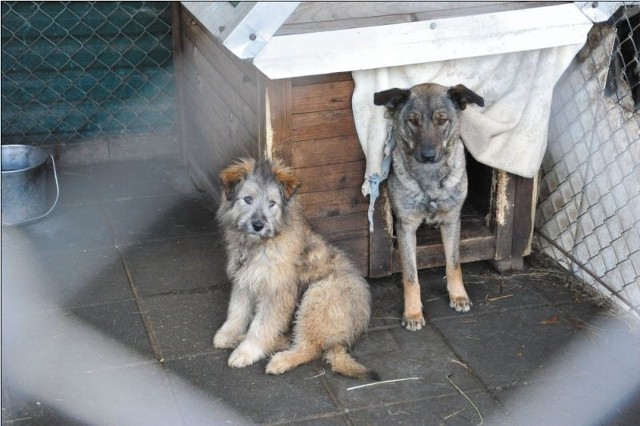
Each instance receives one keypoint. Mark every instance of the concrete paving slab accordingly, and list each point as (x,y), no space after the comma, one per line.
(66,228)
(177,264)
(65,278)
(509,347)
(420,361)
(292,397)
(442,410)
(155,218)
(184,324)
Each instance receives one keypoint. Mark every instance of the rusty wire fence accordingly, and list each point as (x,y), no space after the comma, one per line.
(588,215)
(82,70)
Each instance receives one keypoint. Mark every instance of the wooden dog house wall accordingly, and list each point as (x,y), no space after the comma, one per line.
(229,107)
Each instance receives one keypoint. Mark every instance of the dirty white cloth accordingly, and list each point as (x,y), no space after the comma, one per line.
(509,133)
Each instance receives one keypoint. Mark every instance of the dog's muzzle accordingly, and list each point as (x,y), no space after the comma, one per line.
(427,155)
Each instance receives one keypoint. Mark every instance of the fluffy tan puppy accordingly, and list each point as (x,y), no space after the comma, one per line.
(282,272)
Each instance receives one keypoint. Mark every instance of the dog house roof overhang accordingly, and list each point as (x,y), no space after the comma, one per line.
(294,39)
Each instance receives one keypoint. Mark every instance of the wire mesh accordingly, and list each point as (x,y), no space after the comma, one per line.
(589,194)
(81,70)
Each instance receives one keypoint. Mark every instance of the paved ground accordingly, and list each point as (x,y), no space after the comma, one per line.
(110,304)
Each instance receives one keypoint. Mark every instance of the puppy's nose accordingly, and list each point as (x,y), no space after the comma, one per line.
(428,155)
(257,225)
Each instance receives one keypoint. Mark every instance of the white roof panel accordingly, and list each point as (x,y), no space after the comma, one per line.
(293,39)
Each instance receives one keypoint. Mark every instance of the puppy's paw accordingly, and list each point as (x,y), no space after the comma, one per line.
(413,322)
(223,340)
(460,303)
(245,354)
(278,364)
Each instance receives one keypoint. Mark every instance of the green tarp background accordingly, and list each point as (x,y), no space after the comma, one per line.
(83,70)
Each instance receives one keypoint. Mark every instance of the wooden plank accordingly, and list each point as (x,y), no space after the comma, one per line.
(279,116)
(471,250)
(477,242)
(240,76)
(203,163)
(263,126)
(331,11)
(217,49)
(480,8)
(331,176)
(343,227)
(469,228)
(522,212)
(381,239)
(214,118)
(321,78)
(358,251)
(323,96)
(333,203)
(503,208)
(322,124)
(317,152)
(219,96)
(215,140)
(211,148)
(323,16)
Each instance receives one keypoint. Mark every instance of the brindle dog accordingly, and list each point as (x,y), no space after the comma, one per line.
(428,181)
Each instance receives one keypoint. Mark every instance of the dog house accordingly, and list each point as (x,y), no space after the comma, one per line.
(276,79)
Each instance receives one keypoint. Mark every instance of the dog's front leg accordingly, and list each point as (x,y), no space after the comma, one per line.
(238,315)
(412,319)
(458,298)
(265,335)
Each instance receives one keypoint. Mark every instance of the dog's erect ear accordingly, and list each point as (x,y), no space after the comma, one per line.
(391,98)
(234,174)
(461,96)
(284,176)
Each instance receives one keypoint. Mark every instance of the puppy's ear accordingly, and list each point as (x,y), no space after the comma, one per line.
(234,174)
(284,176)
(461,96)
(392,98)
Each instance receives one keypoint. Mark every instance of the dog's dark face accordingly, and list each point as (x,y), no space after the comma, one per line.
(427,117)
(257,197)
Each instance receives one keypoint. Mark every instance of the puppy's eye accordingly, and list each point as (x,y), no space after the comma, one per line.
(248,200)
(414,119)
(272,204)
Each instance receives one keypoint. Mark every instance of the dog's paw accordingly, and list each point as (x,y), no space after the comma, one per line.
(224,340)
(413,322)
(278,364)
(245,354)
(460,303)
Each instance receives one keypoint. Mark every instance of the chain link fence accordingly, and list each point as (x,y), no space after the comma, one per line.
(82,70)
(589,210)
